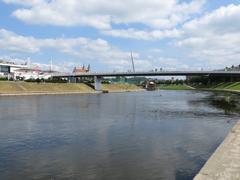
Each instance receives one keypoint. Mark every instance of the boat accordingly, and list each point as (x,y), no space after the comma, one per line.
(151,86)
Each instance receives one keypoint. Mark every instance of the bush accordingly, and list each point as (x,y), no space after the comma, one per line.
(35,80)
(3,78)
(106,82)
(50,80)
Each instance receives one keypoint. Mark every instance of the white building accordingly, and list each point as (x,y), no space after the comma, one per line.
(7,69)
(28,73)
(22,71)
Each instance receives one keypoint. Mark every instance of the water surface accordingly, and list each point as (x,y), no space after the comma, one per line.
(121,136)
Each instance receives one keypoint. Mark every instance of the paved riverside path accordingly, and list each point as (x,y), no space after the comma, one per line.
(224,164)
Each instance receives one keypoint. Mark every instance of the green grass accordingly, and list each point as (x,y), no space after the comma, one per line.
(10,87)
(174,87)
(24,87)
(227,86)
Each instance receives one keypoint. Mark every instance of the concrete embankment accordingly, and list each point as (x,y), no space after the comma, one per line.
(224,164)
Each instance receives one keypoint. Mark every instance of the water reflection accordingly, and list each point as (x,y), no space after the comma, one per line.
(147,135)
(229,103)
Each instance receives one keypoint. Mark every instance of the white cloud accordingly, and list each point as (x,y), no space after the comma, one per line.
(221,21)
(102,14)
(97,50)
(215,37)
(12,42)
(24,2)
(168,63)
(212,39)
(143,35)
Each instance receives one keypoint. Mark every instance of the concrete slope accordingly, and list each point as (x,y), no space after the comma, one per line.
(224,164)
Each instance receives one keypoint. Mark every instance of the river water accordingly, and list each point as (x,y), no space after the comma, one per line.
(121,136)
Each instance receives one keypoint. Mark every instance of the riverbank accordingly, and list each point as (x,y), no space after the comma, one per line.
(47,93)
(226,87)
(225,162)
(121,87)
(233,87)
(25,88)
(8,88)
(174,87)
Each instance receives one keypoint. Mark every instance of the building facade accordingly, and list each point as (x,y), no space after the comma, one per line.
(7,69)
(15,71)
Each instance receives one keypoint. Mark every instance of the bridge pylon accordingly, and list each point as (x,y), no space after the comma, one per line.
(97,83)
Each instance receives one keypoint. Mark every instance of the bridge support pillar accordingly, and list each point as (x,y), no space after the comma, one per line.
(72,80)
(97,83)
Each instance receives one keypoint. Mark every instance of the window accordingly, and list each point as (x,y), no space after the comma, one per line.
(5,69)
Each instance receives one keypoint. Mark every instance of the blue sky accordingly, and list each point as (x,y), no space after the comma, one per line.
(173,34)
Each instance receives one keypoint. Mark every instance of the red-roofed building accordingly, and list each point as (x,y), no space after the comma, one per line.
(82,69)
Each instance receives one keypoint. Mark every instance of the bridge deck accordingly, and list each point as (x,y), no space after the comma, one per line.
(160,73)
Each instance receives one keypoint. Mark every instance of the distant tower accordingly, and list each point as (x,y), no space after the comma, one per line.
(74,69)
(88,68)
(51,65)
(133,66)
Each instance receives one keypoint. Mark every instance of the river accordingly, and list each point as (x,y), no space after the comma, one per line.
(119,136)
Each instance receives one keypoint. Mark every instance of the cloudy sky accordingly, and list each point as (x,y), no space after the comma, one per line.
(169,34)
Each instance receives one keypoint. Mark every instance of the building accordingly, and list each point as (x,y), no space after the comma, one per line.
(233,68)
(16,71)
(29,73)
(78,70)
(7,69)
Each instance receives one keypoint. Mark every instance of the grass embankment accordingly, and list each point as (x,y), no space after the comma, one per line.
(230,86)
(122,87)
(174,87)
(24,88)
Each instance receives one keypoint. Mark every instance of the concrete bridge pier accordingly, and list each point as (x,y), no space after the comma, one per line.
(97,83)
(72,79)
